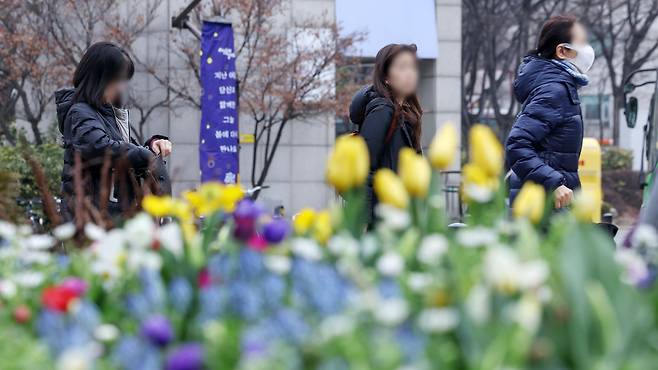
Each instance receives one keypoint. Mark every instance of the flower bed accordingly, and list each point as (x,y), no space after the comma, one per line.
(244,290)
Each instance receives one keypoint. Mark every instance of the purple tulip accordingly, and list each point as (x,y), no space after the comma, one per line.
(246,213)
(276,230)
(158,330)
(247,209)
(186,357)
(75,284)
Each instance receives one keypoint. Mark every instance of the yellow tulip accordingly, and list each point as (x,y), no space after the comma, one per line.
(529,203)
(389,189)
(322,228)
(477,184)
(303,221)
(485,150)
(415,172)
(166,206)
(213,196)
(585,207)
(444,146)
(348,164)
(157,206)
(230,197)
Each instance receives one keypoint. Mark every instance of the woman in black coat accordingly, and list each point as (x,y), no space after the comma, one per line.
(94,124)
(388,113)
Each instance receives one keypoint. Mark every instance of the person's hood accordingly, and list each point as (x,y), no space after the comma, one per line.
(359,104)
(535,71)
(64,102)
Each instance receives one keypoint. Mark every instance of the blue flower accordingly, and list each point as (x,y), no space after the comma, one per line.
(153,288)
(290,326)
(131,353)
(250,264)
(245,300)
(318,286)
(180,294)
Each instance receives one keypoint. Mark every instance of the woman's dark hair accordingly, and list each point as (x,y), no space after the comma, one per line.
(411,107)
(556,31)
(102,63)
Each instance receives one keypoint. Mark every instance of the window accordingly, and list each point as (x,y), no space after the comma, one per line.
(596,109)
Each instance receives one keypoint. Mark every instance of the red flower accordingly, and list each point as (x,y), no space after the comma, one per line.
(203,278)
(22,314)
(58,298)
(257,243)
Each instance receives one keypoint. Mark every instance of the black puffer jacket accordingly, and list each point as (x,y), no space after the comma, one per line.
(373,114)
(92,133)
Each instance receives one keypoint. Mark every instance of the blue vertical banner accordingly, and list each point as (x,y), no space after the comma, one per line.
(219,136)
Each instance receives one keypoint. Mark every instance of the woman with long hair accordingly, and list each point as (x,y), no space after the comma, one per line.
(388,113)
(545,142)
(94,123)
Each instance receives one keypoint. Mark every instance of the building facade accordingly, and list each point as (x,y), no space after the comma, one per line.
(296,178)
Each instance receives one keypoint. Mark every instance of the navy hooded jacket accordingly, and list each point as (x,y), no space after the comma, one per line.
(545,142)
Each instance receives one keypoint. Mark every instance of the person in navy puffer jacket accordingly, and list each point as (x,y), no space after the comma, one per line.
(545,142)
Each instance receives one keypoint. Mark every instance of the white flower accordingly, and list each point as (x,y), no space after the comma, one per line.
(390,264)
(533,274)
(78,358)
(7,230)
(7,289)
(432,247)
(40,241)
(501,268)
(335,326)
(369,246)
(480,194)
(343,245)
(106,333)
(635,269)
(438,320)
(140,231)
(477,304)
(64,231)
(277,263)
(94,232)
(392,218)
(544,294)
(527,313)
(171,238)
(23,230)
(391,311)
(644,236)
(476,237)
(35,257)
(419,281)
(28,279)
(307,249)
(364,300)
(139,258)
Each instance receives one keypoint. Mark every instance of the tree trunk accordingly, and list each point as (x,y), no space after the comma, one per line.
(34,125)
(618,104)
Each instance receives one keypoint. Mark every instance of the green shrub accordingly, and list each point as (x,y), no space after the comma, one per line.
(615,158)
(49,155)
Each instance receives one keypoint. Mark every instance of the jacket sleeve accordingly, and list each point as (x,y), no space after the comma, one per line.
(92,141)
(374,129)
(535,122)
(153,138)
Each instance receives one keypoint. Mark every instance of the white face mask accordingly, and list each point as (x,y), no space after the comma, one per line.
(584,57)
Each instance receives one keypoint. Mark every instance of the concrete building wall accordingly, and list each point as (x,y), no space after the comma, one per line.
(296,178)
